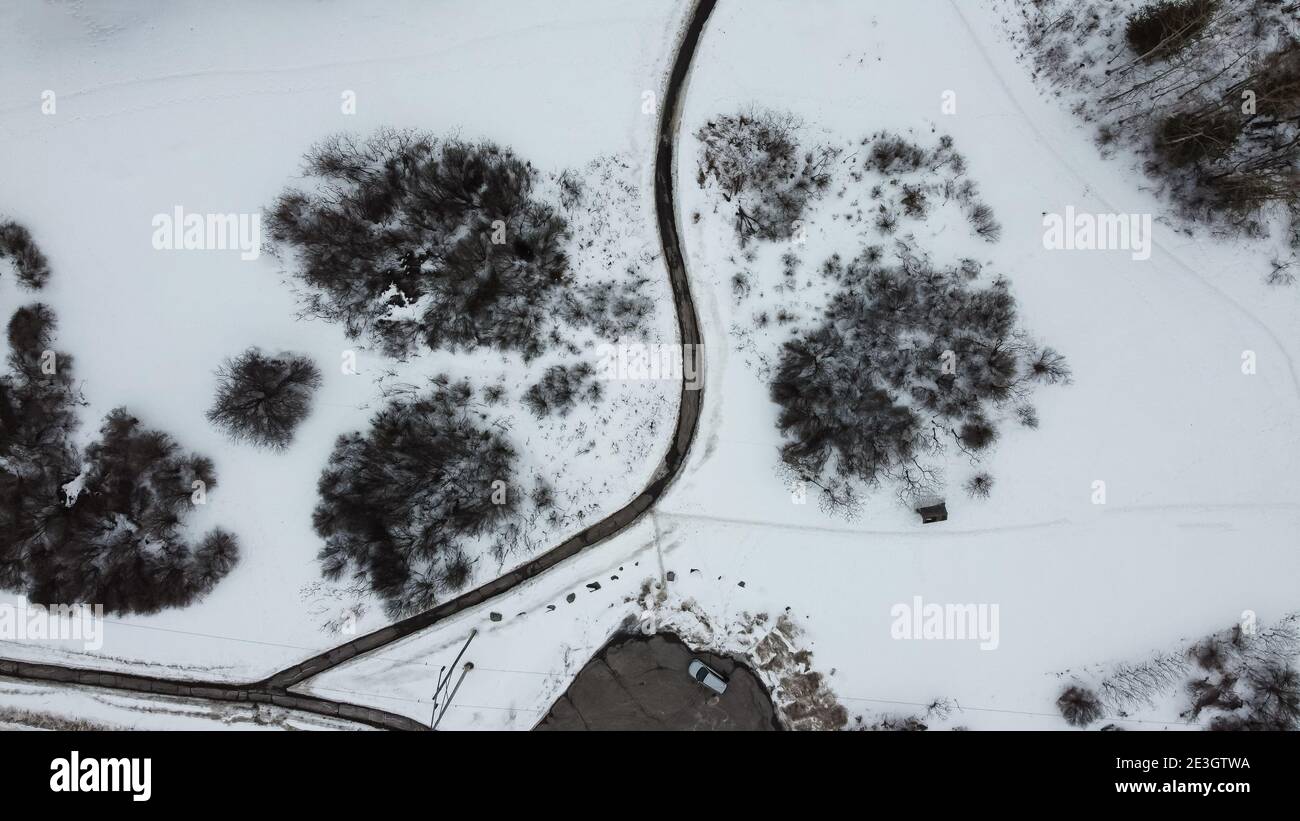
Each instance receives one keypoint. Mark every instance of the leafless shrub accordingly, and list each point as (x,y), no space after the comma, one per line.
(756,161)
(561,388)
(1079,706)
(1157,31)
(1140,683)
(984,223)
(16,243)
(1281,273)
(421,242)
(398,503)
(979,486)
(262,399)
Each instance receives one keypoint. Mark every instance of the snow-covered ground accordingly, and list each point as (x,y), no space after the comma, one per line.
(1201,495)
(1197,457)
(159,104)
(28,706)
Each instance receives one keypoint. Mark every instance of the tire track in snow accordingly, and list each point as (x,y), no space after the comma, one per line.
(1107,510)
(212,73)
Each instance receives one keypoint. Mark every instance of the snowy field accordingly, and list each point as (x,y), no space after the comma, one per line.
(1202,500)
(161,105)
(56,707)
(1198,458)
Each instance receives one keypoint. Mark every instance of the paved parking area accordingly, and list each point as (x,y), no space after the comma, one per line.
(640,683)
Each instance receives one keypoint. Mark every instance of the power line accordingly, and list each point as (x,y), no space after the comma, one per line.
(960,707)
(561,673)
(555,673)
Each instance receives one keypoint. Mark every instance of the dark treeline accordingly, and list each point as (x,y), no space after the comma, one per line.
(1208,91)
(103,525)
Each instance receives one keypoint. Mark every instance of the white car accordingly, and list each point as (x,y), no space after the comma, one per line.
(707,676)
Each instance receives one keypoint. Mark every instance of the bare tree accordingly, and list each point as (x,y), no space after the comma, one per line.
(401,504)
(755,159)
(105,524)
(262,399)
(16,243)
(910,359)
(1079,706)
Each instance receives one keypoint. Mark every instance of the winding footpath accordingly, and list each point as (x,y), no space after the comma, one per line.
(274,690)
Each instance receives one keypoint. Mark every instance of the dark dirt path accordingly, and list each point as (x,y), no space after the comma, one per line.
(275,689)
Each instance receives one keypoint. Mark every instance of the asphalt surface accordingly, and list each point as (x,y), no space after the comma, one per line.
(275,689)
(640,683)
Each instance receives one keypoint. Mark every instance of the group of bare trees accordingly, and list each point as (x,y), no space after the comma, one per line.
(401,504)
(1247,680)
(1209,90)
(755,159)
(103,524)
(1230,139)
(921,176)
(1159,30)
(911,359)
(420,242)
(425,243)
(561,388)
(1242,678)
(408,507)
